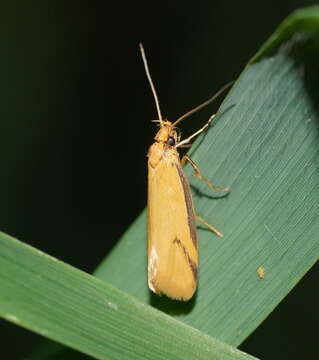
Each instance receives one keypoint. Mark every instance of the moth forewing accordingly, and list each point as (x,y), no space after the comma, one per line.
(172,244)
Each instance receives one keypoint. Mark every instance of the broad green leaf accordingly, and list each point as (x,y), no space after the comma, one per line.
(62,303)
(265,146)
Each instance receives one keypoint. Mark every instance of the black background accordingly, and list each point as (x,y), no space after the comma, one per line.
(75,126)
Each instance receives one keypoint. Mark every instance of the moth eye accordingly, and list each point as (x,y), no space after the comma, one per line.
(170,141)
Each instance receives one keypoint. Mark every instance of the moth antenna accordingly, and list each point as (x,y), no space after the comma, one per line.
(205,103)
(151,83)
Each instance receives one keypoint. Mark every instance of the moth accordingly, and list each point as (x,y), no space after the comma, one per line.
(172,239)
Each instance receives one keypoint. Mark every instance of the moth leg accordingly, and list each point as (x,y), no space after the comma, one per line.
(187,140)
(209,226)
(201,176)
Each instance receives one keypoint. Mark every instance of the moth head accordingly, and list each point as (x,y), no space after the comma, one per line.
(166,134)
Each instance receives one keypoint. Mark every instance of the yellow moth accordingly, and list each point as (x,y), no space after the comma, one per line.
(172,242)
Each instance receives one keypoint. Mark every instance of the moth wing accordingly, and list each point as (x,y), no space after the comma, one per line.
(172,244)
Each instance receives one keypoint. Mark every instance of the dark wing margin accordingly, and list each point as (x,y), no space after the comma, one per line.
(189,204)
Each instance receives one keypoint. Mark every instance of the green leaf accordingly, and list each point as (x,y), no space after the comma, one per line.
(264,145)
(62,303)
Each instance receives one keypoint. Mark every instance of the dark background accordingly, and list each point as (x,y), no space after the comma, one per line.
(75,126)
